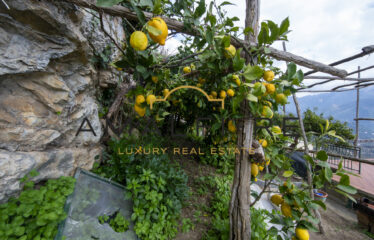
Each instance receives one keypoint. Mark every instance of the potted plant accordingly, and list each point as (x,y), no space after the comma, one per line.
(320,195)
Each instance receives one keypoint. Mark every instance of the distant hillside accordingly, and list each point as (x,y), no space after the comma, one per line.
(342,106)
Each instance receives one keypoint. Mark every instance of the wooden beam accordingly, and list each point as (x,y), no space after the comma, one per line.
(178,26)
(337,78)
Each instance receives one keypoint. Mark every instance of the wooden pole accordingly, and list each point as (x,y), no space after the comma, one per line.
(239,209)
(357,111)
(306,151)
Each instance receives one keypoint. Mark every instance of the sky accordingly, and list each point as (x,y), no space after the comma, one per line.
(321,30)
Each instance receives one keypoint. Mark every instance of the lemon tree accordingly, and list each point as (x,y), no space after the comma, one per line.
(212,60)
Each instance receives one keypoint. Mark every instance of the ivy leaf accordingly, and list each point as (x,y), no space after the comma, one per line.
(107,3)
(287,174)
(253,72)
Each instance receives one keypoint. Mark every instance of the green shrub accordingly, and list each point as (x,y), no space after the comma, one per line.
(156,187)
(36,213)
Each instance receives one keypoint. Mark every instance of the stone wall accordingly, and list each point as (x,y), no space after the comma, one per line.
(47,88)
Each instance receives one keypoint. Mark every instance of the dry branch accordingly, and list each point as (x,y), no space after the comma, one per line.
(173,24)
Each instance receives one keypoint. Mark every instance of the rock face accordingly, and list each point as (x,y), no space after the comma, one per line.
(47,89)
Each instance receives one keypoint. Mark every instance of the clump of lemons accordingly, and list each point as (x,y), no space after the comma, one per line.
(160,25)
(139,41)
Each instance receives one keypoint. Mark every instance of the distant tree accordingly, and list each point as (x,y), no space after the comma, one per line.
(313,123)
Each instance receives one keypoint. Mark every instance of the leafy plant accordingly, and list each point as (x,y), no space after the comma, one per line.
(117,222)
(156,187)
(36,213)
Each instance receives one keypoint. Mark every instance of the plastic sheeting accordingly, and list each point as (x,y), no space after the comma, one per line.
(93,197)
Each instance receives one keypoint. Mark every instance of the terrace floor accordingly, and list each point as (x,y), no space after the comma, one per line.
(365,181)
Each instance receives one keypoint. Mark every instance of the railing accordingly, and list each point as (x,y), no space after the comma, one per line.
(349,152)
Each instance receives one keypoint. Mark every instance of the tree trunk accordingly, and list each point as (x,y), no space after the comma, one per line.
(240,220)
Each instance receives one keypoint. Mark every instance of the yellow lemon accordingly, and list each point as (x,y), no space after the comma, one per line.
(281,98)
(214,94)
(222,94)
(230,51)
(151,98)
(201,80)
(186,69)
(267,160)
(268,75)
(159,24)
(263,142)
(165,92)
(138,40)
(267,112)
(261,168)
(277,199)
(254,169)
(139,110)
(302,234)
(276,130)
(139,99)
(199,85)
(230,92)
(286,210)
(268,103)
(154,79)
(236,79)
(231,126)
(270,88)
(119,69)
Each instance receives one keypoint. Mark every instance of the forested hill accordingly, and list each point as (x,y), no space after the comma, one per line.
(342,106)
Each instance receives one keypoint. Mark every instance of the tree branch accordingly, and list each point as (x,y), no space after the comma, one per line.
(179,26)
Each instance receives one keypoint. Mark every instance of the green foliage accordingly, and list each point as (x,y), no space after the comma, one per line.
(117,222)
(36,213)
(187,225)
(156,187)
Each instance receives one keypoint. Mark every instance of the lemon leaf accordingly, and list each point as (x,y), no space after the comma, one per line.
(153,30)
(287,174)
(252,98)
